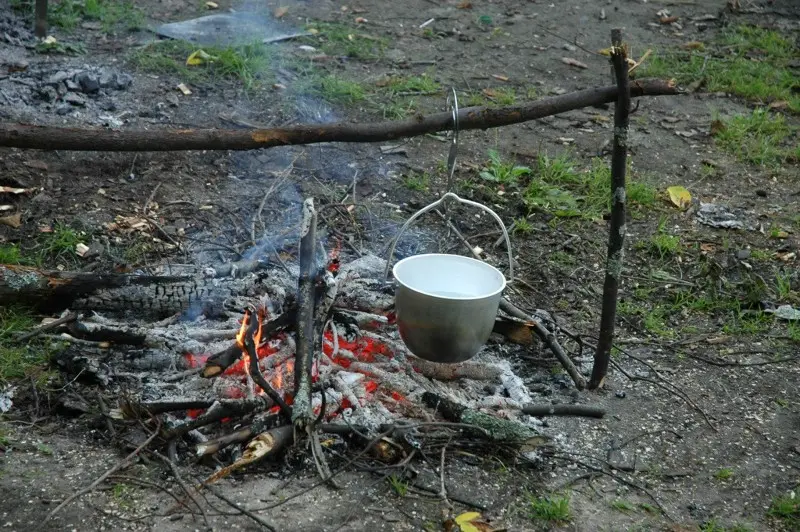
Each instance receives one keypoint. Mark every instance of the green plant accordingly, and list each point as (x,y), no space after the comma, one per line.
(59,47)
(19,361)
(335,89)
(783,285)
(415,181)
(726,473)
(553,509)
(413,84)
(522,226)
(399,485)
(662,244)
(503,172)
(341,40)
(757,138)
(787,509)
(59,245)
(622,506)
(10,254)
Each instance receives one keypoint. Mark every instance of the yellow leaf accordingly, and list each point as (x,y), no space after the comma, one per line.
(605,51)
(464,521)
(679,196)
(198,57)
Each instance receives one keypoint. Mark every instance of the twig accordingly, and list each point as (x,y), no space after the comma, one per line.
(616,232)
(101,478)
(150,198)
(563,410)
(304,351)
(442,487)
(67,318)
(177,475)
(244,511)
(254,327)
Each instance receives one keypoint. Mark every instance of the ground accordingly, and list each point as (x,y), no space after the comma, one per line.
(704,431)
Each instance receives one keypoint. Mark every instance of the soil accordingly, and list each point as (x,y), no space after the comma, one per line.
(667,452)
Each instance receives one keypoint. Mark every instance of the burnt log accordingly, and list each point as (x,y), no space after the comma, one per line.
(100,139)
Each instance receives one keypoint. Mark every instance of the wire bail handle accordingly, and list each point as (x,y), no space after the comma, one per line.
(452,106)
(436,204)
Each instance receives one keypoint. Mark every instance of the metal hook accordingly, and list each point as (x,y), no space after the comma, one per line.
(452,105)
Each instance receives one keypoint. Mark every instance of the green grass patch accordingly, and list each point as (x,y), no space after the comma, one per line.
(341,40)
(726,473)
(18,362)
(398,485)
(661,244)
(410,84)
(10,254)
(786,508)
(553,509)
(113,15)
(417,181)
(249,64)
(760,138)
(623,506)
(503,172)
(59,245)
(339,90)
(750,62)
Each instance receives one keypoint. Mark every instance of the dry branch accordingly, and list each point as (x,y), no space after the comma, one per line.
(55,138)
(563,410)
(304,355)
(616,231)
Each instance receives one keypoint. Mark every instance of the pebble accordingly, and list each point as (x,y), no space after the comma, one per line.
(620,394)
(48,93)
(122,81)
(172,100)
(72,86)
(88,82)
(743,254)
(63,109)
(75,99)
(57,78)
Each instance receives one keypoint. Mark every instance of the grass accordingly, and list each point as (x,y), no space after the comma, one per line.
(338,90)
(522,226)
(410,84)
(786,508)
(661,243)
(399,485)
(20,362)
(342,40)
(10,254)
(553,509)
(68,15)
(726,473)
(59,245)
(758,138)
(246,63)
(501,171)
(750,62)
(623,506)
(559,187)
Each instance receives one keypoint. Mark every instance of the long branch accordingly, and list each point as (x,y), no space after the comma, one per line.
(98,139)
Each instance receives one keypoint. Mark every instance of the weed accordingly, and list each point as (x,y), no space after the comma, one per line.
(783,285)
(18,361)
(337,90)
(726,473)
(649,508)
(44,449)
(399,485)
(112,14)
(59,47)
(10,254)
(247,63)
(662,244)
(123,494)
(747,61)
(752,324)
(59,245)
(503,172)
(412,84)
(396,110)
(760,255)
(554,509)
(415,181)
(793,331)
(561,257)
(786,508)
(622,506)
(522,226)
(756,138)
(341,40)
(502,95)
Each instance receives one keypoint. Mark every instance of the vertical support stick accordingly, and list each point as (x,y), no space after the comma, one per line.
(616,237)
(40,24)
(303,415)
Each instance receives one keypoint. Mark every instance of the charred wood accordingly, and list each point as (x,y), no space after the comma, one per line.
(303,414)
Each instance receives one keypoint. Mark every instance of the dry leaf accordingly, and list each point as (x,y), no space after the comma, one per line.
(212,5)
(779,104)
(199,57)
(491,93)
(501,78)
(707,247)
(679,196)
(471,522)
(668,20)
(605,51)
(787,256)
(693,45)
(573,62)
(184,89)
(465,5)
(361,20)
(50,40)
(15,220)
(81,249)
(281,11)
(717,127)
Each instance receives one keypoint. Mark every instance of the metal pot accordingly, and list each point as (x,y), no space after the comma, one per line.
(446,305)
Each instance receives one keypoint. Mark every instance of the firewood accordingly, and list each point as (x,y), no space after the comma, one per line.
(58,138)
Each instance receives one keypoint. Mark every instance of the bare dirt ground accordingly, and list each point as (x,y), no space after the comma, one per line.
(704,433)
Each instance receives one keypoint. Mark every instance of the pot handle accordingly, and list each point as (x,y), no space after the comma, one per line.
(436,204)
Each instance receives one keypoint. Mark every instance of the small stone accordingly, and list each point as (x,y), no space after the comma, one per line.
(620,394)
(568,47)
(88,82)
(107,105)
(48,94)
(743,254)
(172,100)
(761,192)
(75,99)
(63,109)
(72,86)
(106,80)
(122,81)
(57,78)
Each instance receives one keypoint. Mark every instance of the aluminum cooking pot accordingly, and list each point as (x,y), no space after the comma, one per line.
(446,304)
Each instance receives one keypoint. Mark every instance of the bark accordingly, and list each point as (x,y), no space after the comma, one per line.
(616,232)
(85,139)
(563,410)
(40,23)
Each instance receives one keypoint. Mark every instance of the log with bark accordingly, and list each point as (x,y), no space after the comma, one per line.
(57,138)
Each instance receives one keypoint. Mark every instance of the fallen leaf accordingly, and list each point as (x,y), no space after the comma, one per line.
(501,78)
(573,62)
(212,5)
(668,20)
(471,522)
(199,57)
(491,93)
(361,20)
(679,196)
(717,127)
(313,31)
(81,249)
(465,5)
(693,45)
(707,247)
(605,51)
(184,89)
(50,40)
(787,256)
(779,234)
(779,104)
(15,220)
(281,11)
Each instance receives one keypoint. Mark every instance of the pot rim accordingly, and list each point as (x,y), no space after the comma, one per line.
(482,263)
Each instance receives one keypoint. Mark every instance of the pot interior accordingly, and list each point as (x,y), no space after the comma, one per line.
(449,276)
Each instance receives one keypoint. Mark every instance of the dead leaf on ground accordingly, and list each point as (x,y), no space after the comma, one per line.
(81,249)
(199,57)
(281,11)
(668,20)
(707,247)
(212,5)
(361,20)
(779,105)
(786,256)
(573,62)
(717,127)
(465,5)
(472,522)
(501,78)
(693,45)
(184,89)
(15,220)
(679,196)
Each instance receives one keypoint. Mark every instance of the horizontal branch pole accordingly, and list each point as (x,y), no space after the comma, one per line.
(98,139)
